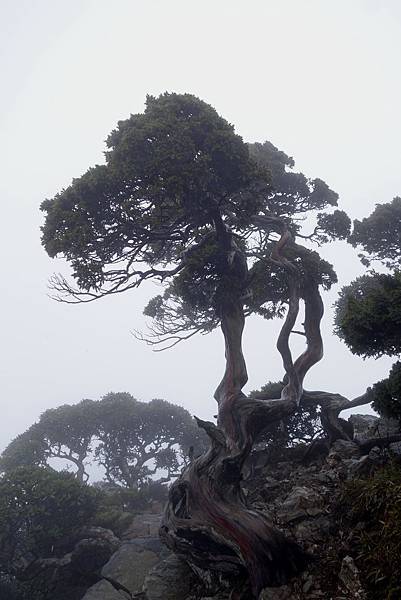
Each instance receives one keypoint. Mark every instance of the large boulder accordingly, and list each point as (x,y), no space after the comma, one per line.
(301,503)
(171,579)
(345,449)
(103,590)
(131,563)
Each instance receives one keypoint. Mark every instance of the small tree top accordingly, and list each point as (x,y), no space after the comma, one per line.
(380,235)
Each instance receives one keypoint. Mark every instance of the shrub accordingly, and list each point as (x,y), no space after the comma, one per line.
(374,508)
(41,512)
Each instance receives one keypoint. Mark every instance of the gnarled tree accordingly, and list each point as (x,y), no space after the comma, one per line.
(183,200)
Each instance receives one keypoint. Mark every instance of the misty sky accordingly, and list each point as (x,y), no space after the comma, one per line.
(319,79)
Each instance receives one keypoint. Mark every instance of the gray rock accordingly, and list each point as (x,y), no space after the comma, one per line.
(132,562)
(350,580)
(363,425)
(144,525)
(369,426)
(171,579)
(345,449)
(100,533)
(301,503)
(89,556)
(366,465)
(281,593)
(313,531)
(103,590)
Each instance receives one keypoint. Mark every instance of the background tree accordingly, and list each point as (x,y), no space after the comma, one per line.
(378,235)
(65,432)
(27,449)
(132,440)
(136,438)
(368,315)
(183,200)
(368,311)
(387,394)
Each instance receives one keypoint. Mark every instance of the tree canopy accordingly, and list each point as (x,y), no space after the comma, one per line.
(379,235)
(130,439)
(368,315)
(175,176)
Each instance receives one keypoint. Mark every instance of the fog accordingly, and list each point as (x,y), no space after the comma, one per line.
(318,79)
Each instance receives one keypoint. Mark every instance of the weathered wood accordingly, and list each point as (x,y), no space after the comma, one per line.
(207,520)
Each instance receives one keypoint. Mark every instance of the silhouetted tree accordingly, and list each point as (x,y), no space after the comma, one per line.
(136,438)
(130,439)
(65,432)
(183,200)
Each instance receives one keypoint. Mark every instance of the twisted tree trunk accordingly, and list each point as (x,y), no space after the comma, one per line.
(207,520)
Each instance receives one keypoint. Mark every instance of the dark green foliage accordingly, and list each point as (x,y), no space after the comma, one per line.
(380,235)
(268,287)
(40,512)
(167,172)
(301,427)
(387,394)
(176,177)
(290,192)
(368,315)
(332,226)
(27,449)
(373,507)
(189,303)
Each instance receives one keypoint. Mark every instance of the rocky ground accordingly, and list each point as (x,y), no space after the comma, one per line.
(303,499)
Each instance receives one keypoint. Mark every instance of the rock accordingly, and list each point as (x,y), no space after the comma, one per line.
(301,503)
(281,593)
(396,448)
(345,449)
(313,531)
(350,580)
(369,426)
(100,533)
(131,563)
(366,464)
(89,556)
(171,579)
(363,425)
(103,590)
(144,525)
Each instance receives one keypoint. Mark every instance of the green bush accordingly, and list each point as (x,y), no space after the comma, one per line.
(41,511)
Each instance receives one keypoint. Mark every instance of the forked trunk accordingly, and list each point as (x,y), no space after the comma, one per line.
(207,520)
